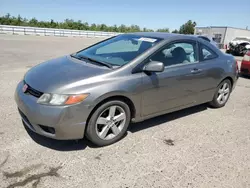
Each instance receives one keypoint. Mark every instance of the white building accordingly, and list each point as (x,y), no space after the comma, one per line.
(222,35)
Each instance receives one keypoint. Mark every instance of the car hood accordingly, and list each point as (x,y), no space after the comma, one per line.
(239,42)
(57,73)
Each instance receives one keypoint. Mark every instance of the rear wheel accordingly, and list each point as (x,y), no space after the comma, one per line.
(222,94)
(108,123)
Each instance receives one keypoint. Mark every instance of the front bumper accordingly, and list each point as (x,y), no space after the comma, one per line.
(57,122)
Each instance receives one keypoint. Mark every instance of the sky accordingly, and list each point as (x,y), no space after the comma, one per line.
(152,14)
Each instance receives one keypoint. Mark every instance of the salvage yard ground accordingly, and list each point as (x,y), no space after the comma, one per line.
(197,147)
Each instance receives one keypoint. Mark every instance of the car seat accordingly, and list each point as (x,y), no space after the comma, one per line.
(179,56)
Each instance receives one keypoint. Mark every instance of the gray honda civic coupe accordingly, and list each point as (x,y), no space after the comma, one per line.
(98,91)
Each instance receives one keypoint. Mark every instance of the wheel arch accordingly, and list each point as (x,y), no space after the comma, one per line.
(119,97)
(227,78)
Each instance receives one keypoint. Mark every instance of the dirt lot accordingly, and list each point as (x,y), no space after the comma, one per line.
(197,147)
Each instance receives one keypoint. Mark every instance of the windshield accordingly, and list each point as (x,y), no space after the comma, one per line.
(119,50)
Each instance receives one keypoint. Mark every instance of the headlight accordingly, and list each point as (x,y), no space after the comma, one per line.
(56,99)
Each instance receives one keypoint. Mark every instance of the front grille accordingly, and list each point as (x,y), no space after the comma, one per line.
(33,92)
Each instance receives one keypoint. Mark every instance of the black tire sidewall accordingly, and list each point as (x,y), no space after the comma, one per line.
(91,132)
(214,102)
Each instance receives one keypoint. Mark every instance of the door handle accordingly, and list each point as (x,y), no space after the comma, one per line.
(196,71)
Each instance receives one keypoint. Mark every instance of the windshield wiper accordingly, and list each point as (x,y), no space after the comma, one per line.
(81,57)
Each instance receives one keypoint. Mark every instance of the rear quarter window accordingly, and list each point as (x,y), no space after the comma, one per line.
(207,53)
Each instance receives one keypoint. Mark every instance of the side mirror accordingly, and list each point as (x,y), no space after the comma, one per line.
(154,66)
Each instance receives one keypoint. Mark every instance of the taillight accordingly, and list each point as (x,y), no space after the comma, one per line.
(247,56)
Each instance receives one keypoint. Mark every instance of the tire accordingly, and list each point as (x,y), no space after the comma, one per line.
(216,103)
(108,118)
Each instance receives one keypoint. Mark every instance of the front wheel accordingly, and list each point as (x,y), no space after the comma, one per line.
(108,123)
(222,94)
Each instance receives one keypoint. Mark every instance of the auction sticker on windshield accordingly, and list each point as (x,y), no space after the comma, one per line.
(147,39)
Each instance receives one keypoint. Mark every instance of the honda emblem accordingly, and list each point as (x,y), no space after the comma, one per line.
(25,87)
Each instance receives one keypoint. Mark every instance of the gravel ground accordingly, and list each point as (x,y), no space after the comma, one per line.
(196,147)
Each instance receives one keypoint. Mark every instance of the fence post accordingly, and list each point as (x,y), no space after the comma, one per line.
(13,31)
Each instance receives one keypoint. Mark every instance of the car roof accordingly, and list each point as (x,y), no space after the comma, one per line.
(202,36)
(163,35)
(174,36)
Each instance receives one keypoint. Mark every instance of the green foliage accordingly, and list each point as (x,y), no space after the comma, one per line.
(166,30)
(147,30)
(175,31)
(69,24)
(188,27)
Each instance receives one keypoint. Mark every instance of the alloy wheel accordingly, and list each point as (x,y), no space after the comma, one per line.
(223,93)
(110,122)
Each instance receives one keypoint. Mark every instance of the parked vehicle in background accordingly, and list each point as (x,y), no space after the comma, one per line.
(99,90)
(209,39)
(245,64)
(239,46)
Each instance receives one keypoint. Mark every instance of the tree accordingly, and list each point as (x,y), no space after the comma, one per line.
(19,20)
(33,22)
(85,26)
(166,30)
(175,31)
(93,27)
(71,24)
(115,28)
(103,27)
(5,19)
(122,28)
(188,27)
(53,24)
